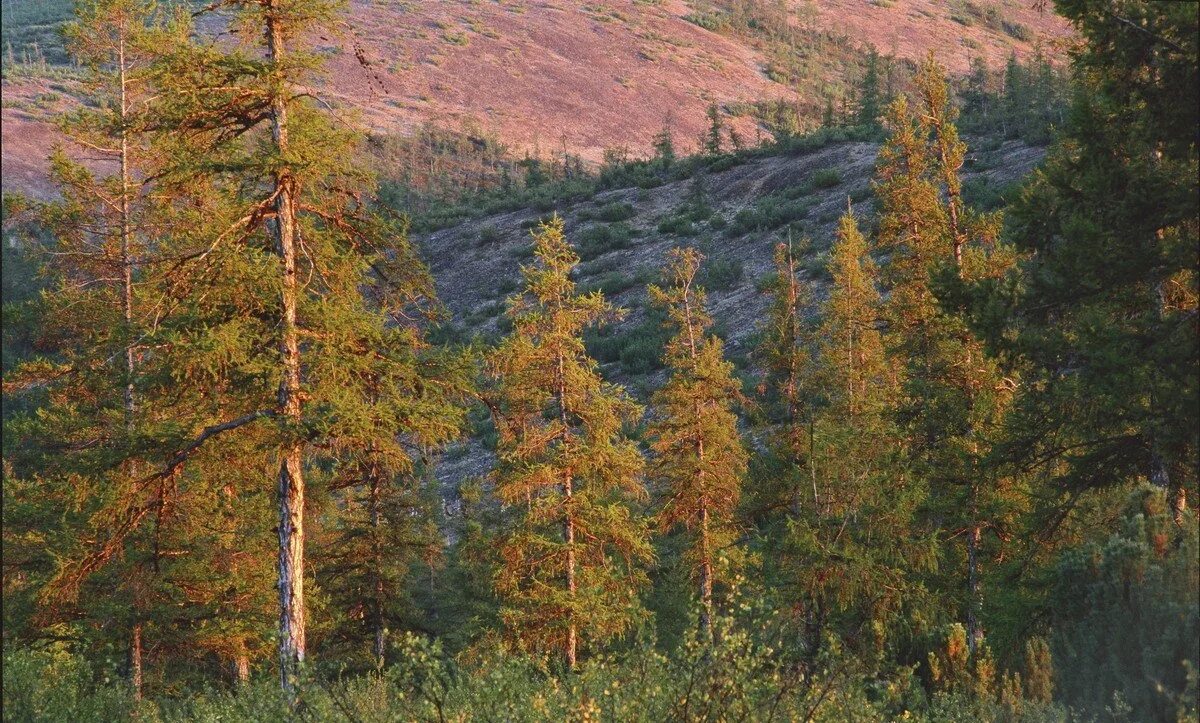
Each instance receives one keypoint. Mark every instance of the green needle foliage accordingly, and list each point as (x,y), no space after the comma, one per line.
(699,458)
(1103,309)
(573,556)
(232,449)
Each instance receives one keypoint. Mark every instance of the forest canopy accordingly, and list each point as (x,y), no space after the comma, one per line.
(255,470)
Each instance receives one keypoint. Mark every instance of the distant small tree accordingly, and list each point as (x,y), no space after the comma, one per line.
(712,138)
(869,100)
(664,146)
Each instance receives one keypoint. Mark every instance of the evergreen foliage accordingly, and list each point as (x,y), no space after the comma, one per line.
(573,555)
(234,419)
(699,459)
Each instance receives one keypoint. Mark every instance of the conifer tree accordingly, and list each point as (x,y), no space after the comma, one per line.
(102,233)
(953,394)
(785,354)
(300,294)
(664,146)
(869,106)
(699,458)
(850,555)
(712,141)
(1104,314)
(853,366)
(572,561)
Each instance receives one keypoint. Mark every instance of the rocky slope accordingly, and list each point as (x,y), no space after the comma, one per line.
(728,214)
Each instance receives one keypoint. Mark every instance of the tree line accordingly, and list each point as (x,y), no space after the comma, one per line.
(235,386)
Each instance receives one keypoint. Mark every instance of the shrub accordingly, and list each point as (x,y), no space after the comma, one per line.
(721,274)
(534,222)
(598,240)
(1127,616)
(677,225)
(744,221)
(1017,31)
(53,685)
(506,286)
(826,178)
(489,234)
(613,212)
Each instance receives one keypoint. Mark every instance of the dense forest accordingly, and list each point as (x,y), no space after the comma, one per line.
(945,477)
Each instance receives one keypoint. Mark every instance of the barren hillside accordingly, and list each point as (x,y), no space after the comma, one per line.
(547,76)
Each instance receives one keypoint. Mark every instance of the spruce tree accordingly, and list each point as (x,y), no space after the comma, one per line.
(664,146)
(573,559)
(712,141)
(1103,318)
(953,396)
(869,106)
(699,458)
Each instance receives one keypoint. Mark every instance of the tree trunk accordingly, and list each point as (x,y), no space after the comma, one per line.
(241,665)
(126,260)
(377,557)
(291,476)
(1179,505)
(974,596)
(706,578)
(572,633)
(135,661)
(572,643)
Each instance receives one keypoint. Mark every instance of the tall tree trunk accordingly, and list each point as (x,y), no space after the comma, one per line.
(135,660)
(706,565)
(706,577)
(568,522)
(974,594)
(572,632)
(291,475)
(126,260)
(377,562)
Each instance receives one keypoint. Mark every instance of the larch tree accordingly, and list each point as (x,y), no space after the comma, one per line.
(299,302)
(699,458)
(786,355)
(93,430)
(850,555)
(782,486)
(954,396)
(573,559)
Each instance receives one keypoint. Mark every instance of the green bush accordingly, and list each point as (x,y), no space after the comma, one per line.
(488,234)
(53,685)
(752,671)
(677,225)
(598,240)
(613,212)
(531,223)
(721,274)
(1127,616)
(826,178)
(614,282)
